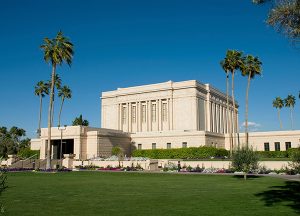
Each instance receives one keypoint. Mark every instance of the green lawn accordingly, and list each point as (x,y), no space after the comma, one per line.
(97,193)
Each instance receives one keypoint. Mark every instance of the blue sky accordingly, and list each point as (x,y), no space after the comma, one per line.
(128,43)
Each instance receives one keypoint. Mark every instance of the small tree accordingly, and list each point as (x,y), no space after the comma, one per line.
(117,151)
(245,160)
(295,158)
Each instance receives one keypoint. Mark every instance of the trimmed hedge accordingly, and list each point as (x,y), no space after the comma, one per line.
(276,154)
(182,153)
(202,152)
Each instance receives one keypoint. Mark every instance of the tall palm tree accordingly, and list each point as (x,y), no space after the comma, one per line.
(290,102)
(278,104)
(57,51)
(234,63)
(57,85)
(250,68)
(64,93)
(225,66)
(41,89)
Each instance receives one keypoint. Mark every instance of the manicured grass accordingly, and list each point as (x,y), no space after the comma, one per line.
(98,193)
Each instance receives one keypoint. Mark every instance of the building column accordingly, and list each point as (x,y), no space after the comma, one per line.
(158,115)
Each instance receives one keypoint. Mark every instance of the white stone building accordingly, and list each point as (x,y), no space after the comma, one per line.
(163,115)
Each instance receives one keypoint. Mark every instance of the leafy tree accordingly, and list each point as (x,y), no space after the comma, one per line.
(80,121)
(41,89)
(117,151)
(290,102)
(11,140)
(233,62)
(278,104)
(250,68)
(245,160)
(57,51)
(284,16)
(64,93)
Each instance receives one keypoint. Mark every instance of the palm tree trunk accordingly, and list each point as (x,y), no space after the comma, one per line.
(61,106)
(40,115)
(280,123)
(52,108)
(48,144)
(234,114)
(292,120)
(227,113)
(246,111)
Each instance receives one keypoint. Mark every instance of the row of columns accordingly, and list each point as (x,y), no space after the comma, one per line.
(149,122)
(218,119)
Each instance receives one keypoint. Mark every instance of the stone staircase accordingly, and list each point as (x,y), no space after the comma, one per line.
(35,164)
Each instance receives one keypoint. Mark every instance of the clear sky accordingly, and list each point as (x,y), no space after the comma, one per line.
(127,43)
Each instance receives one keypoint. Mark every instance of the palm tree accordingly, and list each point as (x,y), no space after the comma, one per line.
(40,90)
(290,102)
(234,63)
(65,93)
(57,85)
(56,51)
(278,104)
(80,121)
(225,66)
(250,68)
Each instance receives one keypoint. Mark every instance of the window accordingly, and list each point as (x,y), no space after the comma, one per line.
(144,113)
(168,145)
(277,146)
(133,114)
(267,146)
(153,145)
(164,112)
(123,115)
(139,146)
(288,145)
(153,112)
(184,145)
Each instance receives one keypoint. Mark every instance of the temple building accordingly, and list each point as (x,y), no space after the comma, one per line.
(164,115)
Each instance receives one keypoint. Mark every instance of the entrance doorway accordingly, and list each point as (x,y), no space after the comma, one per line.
(59,150)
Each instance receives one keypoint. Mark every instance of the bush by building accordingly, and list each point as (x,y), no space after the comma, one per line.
(202,152)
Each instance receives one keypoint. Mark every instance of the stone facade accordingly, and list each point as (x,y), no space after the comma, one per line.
(159,116)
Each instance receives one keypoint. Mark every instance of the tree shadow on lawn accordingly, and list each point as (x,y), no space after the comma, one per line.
(249,177)
(288,193)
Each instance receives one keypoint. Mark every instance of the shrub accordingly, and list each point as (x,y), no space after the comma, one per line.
(295,157)
(202,152)
(245,160)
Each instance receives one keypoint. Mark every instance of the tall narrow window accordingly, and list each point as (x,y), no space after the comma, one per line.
(168,145)
(277,146)
(267,146)
(153,112)
(153,145)
(164,112)
(144,113)
(288,145)
(139,146)
(133,114)
(123,115)
(184,145)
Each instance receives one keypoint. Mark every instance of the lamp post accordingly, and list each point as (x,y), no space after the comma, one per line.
(61,142)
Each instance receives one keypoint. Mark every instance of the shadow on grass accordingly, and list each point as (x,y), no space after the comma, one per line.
(289,194)
(249,177)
